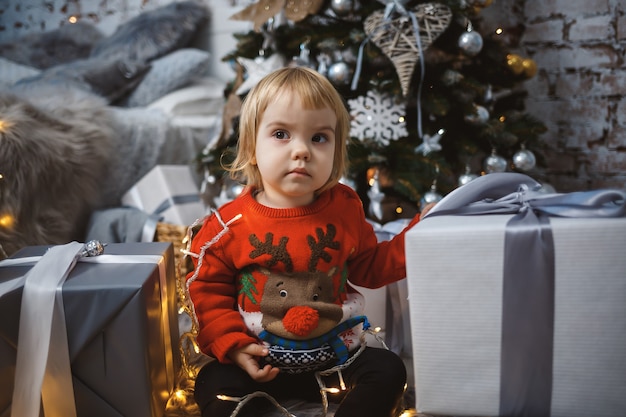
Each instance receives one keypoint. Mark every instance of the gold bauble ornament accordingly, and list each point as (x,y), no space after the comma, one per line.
(515,63)
(530,67)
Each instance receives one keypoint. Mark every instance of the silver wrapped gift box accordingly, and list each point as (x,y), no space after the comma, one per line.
(169,192)
(519,319)
(122,330)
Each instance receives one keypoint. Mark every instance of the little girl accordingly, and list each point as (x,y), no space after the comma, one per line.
(272,285)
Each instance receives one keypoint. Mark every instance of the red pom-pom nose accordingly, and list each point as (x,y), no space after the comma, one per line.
(301,320)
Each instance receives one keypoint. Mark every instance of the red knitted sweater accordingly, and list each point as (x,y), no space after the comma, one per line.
(286,271)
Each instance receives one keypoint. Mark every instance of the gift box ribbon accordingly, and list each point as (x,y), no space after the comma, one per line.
(528,275)
(167,203)
(42,371)
(176,200)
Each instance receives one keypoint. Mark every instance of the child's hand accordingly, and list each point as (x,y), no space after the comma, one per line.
(426,209)
(247,359)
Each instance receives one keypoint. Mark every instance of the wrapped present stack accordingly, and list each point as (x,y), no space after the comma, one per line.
(518,301)
(88,335)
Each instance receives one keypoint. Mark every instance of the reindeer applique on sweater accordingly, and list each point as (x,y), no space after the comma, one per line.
(302,318)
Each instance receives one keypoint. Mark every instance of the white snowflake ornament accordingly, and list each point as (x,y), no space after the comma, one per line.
(377,118)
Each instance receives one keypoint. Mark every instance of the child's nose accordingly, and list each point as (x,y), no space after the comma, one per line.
(301,150)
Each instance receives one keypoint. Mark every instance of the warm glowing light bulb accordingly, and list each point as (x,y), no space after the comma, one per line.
(499,31)
(72,19)
(399,210)
(7,221)
(401,119)
(4,125)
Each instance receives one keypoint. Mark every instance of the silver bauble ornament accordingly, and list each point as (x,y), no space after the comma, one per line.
(231,188)
(342,7)
(339,73)
(480,115)
(471,43)
(495,163)
(431,196)
(466,177)
(524,160)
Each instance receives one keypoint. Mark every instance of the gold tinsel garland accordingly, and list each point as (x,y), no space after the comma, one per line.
(181,403)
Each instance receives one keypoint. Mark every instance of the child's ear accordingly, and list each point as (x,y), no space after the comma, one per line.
(253,160)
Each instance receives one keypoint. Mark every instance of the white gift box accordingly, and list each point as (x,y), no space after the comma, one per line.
(455,279)
(168,191)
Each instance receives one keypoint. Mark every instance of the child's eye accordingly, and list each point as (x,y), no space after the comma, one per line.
(281,134)
(320,138)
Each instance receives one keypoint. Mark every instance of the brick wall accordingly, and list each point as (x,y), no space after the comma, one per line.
(580,89)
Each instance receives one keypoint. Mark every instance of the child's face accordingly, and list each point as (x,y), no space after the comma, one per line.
(295,150)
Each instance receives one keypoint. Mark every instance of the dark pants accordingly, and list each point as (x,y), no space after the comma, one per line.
(374,381)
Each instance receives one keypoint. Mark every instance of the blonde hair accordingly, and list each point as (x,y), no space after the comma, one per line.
(314,92)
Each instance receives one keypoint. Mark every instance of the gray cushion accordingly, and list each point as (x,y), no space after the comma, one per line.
(171,72)
(108,78)
(155,33)
(43,50)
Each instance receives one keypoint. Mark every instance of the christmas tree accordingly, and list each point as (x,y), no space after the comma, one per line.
(434,101)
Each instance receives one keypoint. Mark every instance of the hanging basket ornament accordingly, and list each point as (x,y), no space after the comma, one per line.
(396,36)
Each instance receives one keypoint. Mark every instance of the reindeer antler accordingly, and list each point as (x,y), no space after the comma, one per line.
(323,241)
(278,252)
